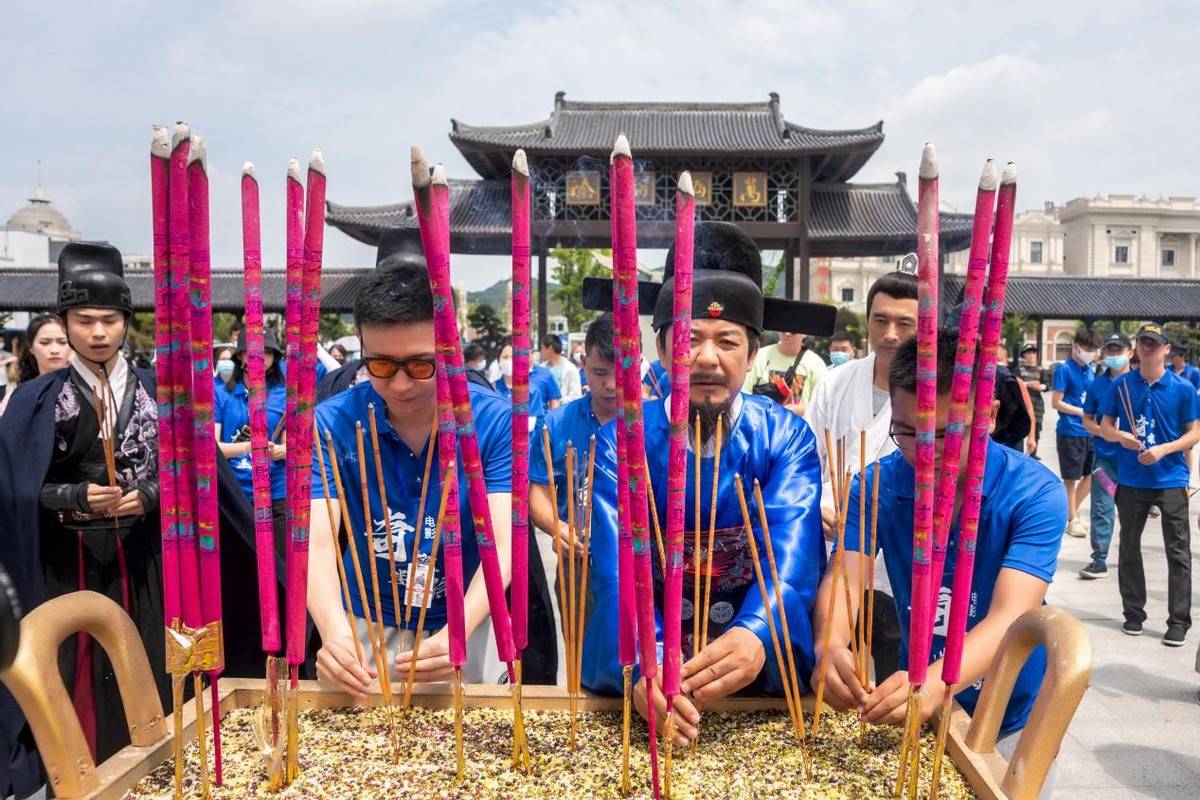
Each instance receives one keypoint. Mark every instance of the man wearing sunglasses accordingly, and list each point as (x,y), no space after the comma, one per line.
(394,315)
(1023,511)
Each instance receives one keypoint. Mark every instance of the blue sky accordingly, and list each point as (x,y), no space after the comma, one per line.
(1086,97)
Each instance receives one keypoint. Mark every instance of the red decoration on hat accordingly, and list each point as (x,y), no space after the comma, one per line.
(715,309)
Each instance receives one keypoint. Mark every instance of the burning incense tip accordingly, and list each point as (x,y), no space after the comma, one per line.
(316,161)
(160,144)
(1010,173)
(420,168)
(198,152)
(182,133)
(685,183)
(293,170)
(621,147)
(521,163)
(249,171)
(987,180)
(439,175)
(929,165)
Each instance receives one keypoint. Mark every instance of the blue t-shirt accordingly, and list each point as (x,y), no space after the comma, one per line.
(573,423)
(231,410)
(544,379)
(537,395)
(403,469)
(1072,379)
(1021,521)
(1191,375)
(1096,392)
(658,380)
(1161,414)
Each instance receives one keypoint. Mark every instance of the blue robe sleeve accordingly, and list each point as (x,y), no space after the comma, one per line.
(792,496)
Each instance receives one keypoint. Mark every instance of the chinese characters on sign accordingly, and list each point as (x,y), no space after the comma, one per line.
(702,185)
(643,187)
(583,188)
(750,189)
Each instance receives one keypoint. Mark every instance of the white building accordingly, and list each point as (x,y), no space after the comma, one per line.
(32,239)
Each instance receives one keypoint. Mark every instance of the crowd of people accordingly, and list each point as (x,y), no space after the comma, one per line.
(765,411)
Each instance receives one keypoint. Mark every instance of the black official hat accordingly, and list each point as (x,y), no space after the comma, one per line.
(727,284)
(92,275)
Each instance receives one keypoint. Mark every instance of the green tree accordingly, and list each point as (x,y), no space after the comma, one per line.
(1013,330)
(771,282)
(333,327)
(571,266)
(1183,336)
(489,328)
(846,320)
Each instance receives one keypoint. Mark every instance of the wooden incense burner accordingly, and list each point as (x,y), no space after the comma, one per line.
(35,682)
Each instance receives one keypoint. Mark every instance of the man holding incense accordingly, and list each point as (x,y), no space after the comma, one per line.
(394,316)
(1158,412)
(1022,515)
(763,442)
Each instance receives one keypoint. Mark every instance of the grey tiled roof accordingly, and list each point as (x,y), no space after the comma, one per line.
(846,219)
(1098,298)
(590,128)
(36,290)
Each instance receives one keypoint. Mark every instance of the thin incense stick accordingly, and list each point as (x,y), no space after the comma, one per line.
(569,620)
(794,679)
(871,567)
(831,603)
(658,535)
(337,550)
(696,542)
(369,535)
(712,532)
(387,523)
(861,663)
(766,600)
(587,544)
(558,552)
(447,483)
(416,548)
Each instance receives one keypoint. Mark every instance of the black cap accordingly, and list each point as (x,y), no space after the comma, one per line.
(270,342)
(1029,348)
(92,275)
(727,284)
(1151,330)
(1117,340)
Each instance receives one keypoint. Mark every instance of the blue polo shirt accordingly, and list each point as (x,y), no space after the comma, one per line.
(1096,392)
(1191,375)
(573,423)
(657,380)
(1021,520)
(537,395)
(1072,379)
(231,410)
(544,379)
(1161,412)
(403,469)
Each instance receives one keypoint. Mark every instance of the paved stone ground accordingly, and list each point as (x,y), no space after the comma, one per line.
(1137,731)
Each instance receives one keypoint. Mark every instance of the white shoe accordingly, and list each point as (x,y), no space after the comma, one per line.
(1075,528)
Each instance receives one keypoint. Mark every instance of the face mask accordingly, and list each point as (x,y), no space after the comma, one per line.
(506,369)
(1087,356)
(837,359)
(224,368)
(1116,362)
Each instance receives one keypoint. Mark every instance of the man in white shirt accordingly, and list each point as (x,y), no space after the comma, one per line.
(853,398)
(566,373)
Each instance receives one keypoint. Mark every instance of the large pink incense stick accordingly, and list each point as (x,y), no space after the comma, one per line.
(964,365)
(681,350)
(256,380)
(433,202)
(626,594)
(160,155)
(927,332)
(181,374)
(629,331)
(207,533)
(294,311)
(964,562)
(306,391)
(520,402)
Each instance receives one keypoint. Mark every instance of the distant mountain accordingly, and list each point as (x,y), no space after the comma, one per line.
(496,296)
